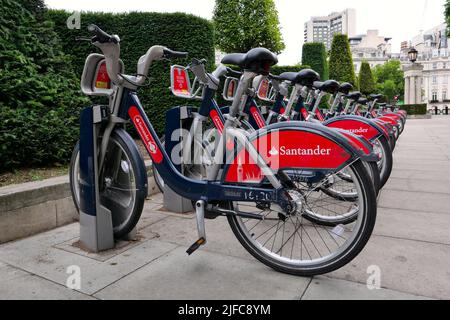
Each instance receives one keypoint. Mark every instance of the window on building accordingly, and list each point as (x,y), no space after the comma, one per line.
(435,66)
(434,96)
(444,95)
(444,65)
(435,81)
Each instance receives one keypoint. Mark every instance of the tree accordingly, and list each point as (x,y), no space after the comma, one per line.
(365,79)
(389,90)
(390,74)
(315,55)
(341,61)
(35,7)
(241,25)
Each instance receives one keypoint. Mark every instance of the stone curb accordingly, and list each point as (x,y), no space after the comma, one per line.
(36,207)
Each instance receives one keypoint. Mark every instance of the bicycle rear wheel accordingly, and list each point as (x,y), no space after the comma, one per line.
(123,182)
(296,244)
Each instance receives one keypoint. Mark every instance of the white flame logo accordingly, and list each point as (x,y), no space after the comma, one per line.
(274,152)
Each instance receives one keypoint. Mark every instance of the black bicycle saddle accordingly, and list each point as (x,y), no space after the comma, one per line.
(306,77)
(329,86)
(345,88)
(258,60)
(375,97)
(354,95)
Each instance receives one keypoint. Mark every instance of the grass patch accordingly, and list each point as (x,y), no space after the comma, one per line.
(32,174)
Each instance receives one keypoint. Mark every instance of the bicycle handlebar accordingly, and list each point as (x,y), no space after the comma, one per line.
(170,54)
(101,36)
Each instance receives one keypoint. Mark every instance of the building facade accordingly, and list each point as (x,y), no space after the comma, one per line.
(322,29)
(434,56)
(370,47)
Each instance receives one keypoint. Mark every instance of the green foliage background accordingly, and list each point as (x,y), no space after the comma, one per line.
(389,79)
(241,25)
(40,100)
(365,79)
(415,109)
(138,32)
(315,55)
(341,61)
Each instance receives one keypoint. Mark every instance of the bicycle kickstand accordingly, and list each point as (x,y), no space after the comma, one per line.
(200,214)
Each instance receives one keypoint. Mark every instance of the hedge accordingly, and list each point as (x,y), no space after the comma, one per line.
(366,82)
(138,32)
(341,61)
(40,99)
(415,109)
(315,55)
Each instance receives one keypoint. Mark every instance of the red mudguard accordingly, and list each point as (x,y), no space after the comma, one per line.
(359,126)
(288,147)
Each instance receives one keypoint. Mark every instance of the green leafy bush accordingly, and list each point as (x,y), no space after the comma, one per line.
(389,79)
(341,61)
(138,32)
(415,109)
(365,79)
(315,55)
(40,100)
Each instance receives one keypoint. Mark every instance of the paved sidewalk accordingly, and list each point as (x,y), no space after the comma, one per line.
(411,246)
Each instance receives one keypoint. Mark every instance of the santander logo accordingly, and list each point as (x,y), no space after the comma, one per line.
(274,152)
(283,151)
(359,131)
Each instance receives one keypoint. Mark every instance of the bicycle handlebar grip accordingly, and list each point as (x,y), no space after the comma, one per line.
(100,35)
(170,54)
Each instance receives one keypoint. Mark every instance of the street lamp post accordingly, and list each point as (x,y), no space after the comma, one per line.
(413,76)
(412,54)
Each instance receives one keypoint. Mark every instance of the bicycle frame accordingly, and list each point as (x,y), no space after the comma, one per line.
(187,188)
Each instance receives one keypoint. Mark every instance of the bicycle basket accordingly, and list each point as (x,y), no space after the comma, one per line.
(230,88)
(266,91)
(95,80)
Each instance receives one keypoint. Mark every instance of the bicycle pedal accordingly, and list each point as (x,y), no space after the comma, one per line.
(197,244)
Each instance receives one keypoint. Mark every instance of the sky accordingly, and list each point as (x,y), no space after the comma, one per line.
(400,20)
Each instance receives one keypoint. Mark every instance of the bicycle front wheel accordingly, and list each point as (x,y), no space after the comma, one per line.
(123,183)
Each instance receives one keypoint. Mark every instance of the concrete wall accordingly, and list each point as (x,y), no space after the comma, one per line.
(35,207)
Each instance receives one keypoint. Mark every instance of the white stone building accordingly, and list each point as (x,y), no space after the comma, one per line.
(322,29)
(370,47)
(433,86)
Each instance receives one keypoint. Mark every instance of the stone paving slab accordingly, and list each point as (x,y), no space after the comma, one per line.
(17,284)
(419,175)
(51,263)
(415,201)
(323,288)
(183,232)
(427,186)
(413,225)
(413,267)
(205,276)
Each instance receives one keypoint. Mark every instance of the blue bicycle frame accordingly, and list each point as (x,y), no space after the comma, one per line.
(131,108)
